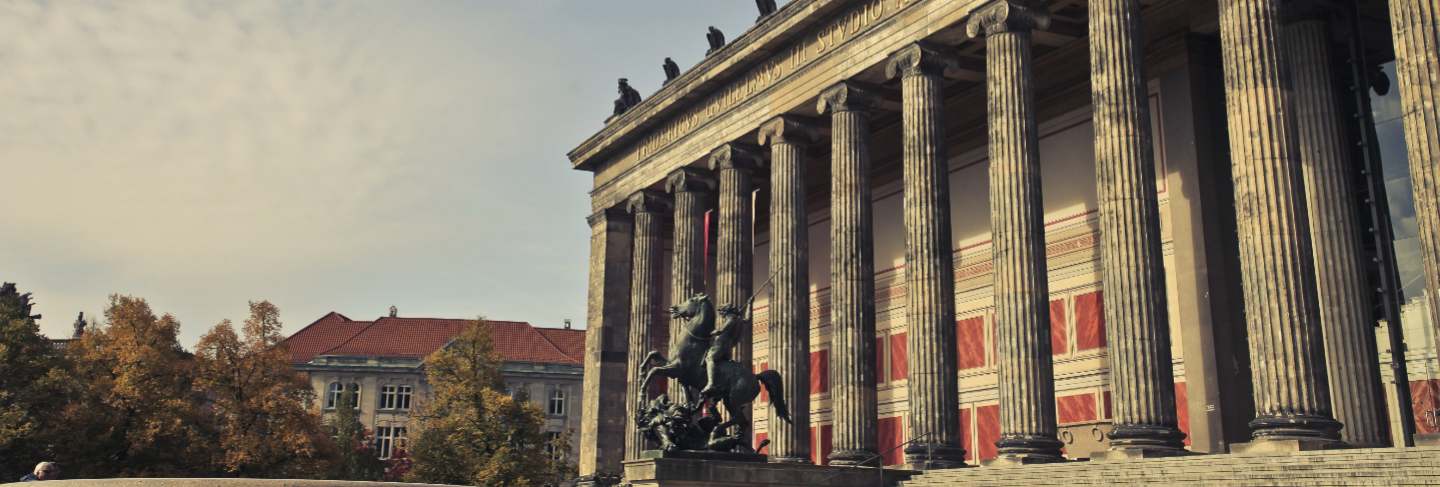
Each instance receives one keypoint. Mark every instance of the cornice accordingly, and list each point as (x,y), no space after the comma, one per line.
(747,51)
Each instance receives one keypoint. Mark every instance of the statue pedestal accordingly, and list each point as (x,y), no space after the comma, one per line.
(716,469)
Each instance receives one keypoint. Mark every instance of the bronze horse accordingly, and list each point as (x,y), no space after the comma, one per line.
(736,387)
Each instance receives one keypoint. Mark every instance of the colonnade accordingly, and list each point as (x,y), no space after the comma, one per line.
(1312,352)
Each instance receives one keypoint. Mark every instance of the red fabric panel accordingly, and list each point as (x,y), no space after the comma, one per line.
(888,438)
(1182,413)
(1089,321)
(970,342)
(880,376)
(987,430)
(819,371)
(764,395)
(1075,408)
(899,357)
(759,437)
(1425,397)
(1059,341)
(1109,410)
(967,441)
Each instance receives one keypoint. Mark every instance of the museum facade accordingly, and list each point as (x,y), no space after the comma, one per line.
(1023,232)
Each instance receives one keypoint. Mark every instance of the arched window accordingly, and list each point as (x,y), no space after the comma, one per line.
(332,395)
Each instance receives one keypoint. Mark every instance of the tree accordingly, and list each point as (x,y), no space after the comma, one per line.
(357,459)
(472,433)
(258,403)
(135,410)
(32,382)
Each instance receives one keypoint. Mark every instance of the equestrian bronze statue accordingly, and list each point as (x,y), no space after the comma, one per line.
(701,362)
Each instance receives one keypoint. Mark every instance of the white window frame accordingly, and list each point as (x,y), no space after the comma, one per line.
(403,394)
(552,438)
(355,387)
(557,397)
(332,394)
(387,396)
(389,439)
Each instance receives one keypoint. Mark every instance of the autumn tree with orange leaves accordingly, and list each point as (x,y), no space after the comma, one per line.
(134,410)
(258,403)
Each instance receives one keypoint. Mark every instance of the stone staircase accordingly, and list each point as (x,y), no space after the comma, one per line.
(1377,466)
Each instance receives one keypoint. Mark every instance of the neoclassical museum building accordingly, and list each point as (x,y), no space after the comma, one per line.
(1028,231)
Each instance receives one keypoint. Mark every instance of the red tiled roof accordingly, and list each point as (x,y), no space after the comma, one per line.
(324,334)
(570,342)
(515,341)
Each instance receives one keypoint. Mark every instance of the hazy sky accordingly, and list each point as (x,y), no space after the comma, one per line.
(346,155)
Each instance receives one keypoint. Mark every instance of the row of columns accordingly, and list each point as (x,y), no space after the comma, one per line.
(1309,331)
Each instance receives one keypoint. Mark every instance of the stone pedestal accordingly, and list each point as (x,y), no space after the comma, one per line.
(1285,446)
(707,469)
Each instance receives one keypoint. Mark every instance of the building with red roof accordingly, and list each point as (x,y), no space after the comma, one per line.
(381,361)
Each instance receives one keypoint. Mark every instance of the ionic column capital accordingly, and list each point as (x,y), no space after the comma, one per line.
(920,58)
(607,215)
(648,201)
(689,180)
(1007,16)
(736,155)
(788,129)
(848,96)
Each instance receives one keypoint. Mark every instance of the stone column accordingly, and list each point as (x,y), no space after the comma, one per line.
(934,390)
(735,164)
(789,331)
(1022,296)
(602,403)
(647,208)
(1137,320)
(852,274)
(1343,292)
(1292,393)
(689,187)
(1416,27)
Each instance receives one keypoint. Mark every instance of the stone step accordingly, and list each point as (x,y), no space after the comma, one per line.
(1375,466)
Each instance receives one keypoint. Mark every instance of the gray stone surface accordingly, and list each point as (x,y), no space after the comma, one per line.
(934,415)
(680,472)
(1021,289)
(690,188)
(852,274)
(1342,291)
(1416,28)
(789,327)
(648,208)
(1132,272)
(602,403)
(1292,393)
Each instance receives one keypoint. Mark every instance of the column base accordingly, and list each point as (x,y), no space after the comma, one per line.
(1124,453)
(852,457)
(790,460)
(934,457)
(597,480)
(1018,459)
(1282,446)
(1427,439)
(1297,427)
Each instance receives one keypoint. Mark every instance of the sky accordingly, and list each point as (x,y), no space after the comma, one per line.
(323,155)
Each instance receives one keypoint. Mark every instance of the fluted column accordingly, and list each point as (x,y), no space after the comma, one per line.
(789,328)
(1136,318)
(1416,28)
(1342,290)
(934,416)
(690,188)
(1026,375)
(852,275)
(735,165)
(1292,393)
(647,208)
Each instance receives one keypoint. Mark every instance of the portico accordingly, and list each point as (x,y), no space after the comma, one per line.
(999,229)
